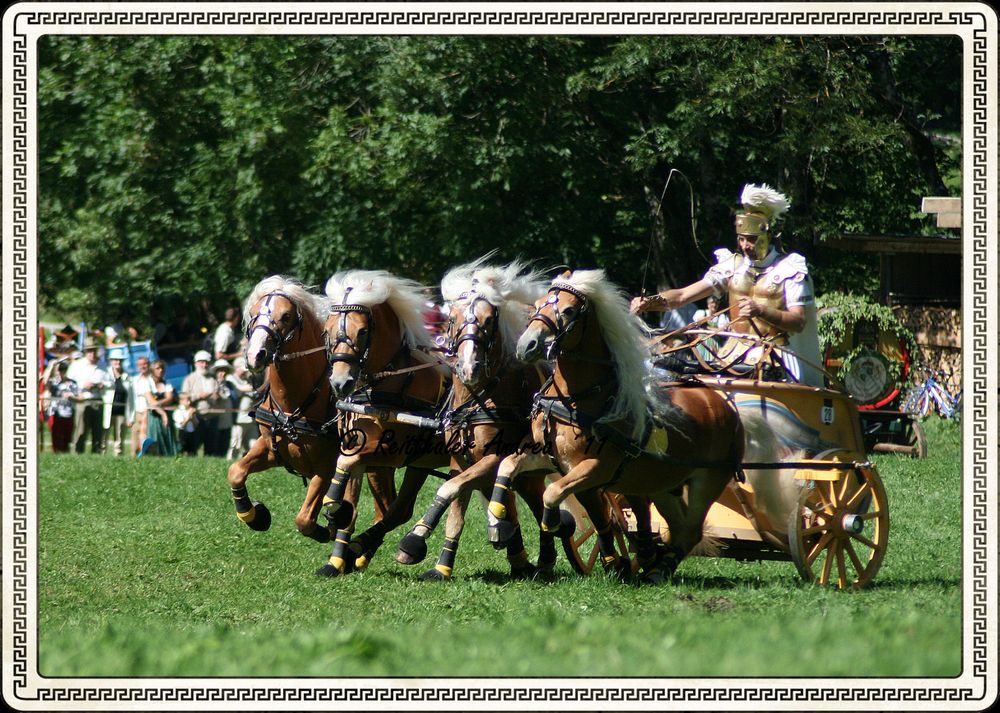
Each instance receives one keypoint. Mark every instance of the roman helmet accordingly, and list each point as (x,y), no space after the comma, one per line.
(762,207)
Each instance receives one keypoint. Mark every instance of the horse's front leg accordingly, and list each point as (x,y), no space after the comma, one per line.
(583,480)
(340,562)
(337,508)
(500,528)
(531,488)
(254,514)
(413,548)
(442,570)
(305,519)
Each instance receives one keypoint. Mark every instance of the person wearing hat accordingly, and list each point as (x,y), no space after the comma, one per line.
(119,401)
(91,380)
(770,292)
(245,430)
(202,387)
(223,406)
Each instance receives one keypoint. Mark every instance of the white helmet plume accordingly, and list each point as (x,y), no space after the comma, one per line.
(764,199)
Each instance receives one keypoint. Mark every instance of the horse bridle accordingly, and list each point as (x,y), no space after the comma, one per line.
(560,326)
(359,352)
(478,338)
(271,328)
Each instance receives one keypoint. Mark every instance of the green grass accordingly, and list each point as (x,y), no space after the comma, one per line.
(143,570)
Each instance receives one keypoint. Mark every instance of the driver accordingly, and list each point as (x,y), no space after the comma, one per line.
(771,291)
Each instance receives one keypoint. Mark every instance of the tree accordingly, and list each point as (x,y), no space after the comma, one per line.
(193,166)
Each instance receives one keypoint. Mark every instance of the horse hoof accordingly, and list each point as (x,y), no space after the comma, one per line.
(618,568)
(527,571)
(261,518)
(434,575)
(340,518)
(567,525)
(412,549)
(328,570)
(500,533)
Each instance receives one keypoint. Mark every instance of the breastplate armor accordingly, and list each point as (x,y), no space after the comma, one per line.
(763,290)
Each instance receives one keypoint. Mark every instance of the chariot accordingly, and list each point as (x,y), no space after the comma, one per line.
(828,515)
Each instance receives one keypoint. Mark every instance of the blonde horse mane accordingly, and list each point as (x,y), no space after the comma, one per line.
(305,300)
(374,287)
(514,287)
(623,336)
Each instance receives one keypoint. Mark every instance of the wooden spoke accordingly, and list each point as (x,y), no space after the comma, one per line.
(870,515)
(814,529)
(865,541)
(824,576)
(841,567)
(857,495)
(818,547)
(855,560)
(584,536)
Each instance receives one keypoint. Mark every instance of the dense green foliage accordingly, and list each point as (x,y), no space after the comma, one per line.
(143,570)
(189,167)
(841,312)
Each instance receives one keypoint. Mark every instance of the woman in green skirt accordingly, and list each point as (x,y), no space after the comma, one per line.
(160,437)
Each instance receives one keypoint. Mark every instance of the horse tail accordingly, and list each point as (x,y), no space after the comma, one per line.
(776,489)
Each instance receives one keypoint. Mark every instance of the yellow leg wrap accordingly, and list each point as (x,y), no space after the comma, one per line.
(361,563)
(498,510)
(341,471)
(609,560)
(327,500)
(247,517)
(443,569)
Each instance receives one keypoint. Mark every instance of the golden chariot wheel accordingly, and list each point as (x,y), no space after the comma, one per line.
(839,531)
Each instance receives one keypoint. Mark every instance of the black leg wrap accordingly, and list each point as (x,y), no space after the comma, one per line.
(340,517)
(551,520)
(433,515)
(546,552)
(446,562)
(414,546)
(501,487)
(567,525)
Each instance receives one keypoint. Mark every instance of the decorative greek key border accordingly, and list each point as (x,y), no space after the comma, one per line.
(22,24)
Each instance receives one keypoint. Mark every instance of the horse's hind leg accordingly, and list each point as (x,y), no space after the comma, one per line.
(364,546)
(255,515)
(686,521)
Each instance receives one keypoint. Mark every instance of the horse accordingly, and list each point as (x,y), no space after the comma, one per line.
(607,426)
(284,335)
(487,416)
(381,360)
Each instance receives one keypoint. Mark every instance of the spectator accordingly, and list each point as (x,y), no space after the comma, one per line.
(143,384)
(186,421)
(119,400)
(714,320)
(244,428)
(91,380)
(224,405)
(227,336)
(63,391)
(202,387)
(160,438)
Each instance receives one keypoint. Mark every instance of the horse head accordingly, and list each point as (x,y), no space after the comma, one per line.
(272,320)
(557,324)
(348,334)
(473,330)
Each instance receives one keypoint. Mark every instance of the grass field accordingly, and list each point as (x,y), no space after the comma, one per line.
(143,570)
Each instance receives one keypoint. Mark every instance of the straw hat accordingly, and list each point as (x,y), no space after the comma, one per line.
(222,364)
(89,343)
(202,355)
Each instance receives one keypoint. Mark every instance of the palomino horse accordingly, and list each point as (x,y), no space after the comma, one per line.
(380,356)
(594,417)
(487,417)
(285,337)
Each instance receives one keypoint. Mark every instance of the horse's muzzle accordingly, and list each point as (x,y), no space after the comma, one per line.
(531,345)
